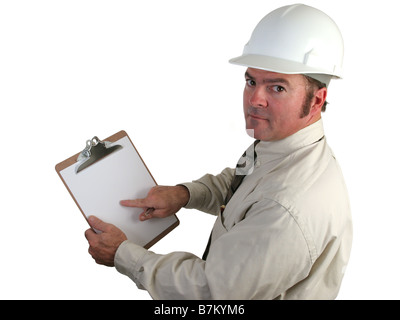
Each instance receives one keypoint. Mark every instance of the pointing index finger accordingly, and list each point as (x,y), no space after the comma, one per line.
(138,203)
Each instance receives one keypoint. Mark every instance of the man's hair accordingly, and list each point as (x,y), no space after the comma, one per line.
(312,85)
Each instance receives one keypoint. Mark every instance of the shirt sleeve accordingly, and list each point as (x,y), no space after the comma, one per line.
(174,276)
(259,258)
(208,193)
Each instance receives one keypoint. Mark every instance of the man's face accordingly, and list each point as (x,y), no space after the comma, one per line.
(273,104)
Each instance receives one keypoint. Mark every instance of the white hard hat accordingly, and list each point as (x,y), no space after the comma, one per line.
(295,39)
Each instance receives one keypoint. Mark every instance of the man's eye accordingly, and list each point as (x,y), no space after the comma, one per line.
(250,82)
(278,89)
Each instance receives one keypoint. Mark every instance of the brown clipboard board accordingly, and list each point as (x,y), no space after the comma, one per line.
(105,176)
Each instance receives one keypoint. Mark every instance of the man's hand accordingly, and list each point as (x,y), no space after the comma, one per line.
(162,201)
(103,246)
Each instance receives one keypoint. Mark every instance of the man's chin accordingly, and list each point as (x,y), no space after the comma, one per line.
(263,135)
(250,132)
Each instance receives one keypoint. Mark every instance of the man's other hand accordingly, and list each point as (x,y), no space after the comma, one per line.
(104,245)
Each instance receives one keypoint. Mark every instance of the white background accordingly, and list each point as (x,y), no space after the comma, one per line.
(70,70)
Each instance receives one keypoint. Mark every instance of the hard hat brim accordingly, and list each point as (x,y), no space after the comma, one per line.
(279,65)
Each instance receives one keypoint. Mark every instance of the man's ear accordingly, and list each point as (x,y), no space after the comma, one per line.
(318,100)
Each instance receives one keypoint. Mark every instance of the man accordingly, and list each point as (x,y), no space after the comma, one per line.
(284,227)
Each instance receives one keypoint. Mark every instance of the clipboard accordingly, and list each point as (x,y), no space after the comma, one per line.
(106,172)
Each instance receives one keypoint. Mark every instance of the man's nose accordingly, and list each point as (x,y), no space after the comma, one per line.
(258,98)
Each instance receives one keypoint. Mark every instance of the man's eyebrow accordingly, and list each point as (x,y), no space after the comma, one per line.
(271,80)
(248,75)
(277,80)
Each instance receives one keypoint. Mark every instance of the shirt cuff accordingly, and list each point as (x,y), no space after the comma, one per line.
(127,259)
(197,194)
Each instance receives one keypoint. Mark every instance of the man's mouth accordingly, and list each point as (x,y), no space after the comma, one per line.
(257,113)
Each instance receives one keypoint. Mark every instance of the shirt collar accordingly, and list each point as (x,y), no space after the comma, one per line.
(304,137)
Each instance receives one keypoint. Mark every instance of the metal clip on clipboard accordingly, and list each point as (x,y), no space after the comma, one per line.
(94,151)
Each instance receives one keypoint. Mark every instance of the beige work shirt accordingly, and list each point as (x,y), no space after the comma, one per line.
(285,234)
